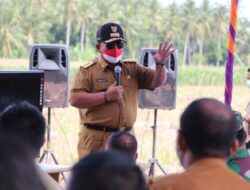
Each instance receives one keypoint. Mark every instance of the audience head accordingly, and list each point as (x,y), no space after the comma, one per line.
(17,168)
(24,121)
(124,142)
(107,170)
(241,134)
(207,129)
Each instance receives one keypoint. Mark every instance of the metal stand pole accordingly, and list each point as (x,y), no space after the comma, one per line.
(153,160)
(47,153)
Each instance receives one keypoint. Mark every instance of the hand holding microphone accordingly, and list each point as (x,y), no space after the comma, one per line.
(115,91)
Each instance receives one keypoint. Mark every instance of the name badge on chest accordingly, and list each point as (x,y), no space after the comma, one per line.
(101,80)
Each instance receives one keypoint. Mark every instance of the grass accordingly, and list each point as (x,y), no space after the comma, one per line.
(209,75)
(65,121)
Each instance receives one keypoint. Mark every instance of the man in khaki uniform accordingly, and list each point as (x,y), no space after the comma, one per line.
(206,135)
(105,107)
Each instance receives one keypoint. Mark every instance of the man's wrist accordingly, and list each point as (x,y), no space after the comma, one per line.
(105,95)
(158,64)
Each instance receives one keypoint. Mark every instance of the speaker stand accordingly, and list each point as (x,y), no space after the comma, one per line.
(153,161)
(47,153)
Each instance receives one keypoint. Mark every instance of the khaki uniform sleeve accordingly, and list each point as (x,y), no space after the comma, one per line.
(80,82)
(145,77)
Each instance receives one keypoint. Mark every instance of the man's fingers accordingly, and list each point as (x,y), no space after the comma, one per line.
(159,48)
(166,44)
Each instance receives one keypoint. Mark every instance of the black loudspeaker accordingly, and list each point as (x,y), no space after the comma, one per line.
(53,59)
(163,97)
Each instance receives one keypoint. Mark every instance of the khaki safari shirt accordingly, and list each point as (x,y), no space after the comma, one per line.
(204,174)
(97,76)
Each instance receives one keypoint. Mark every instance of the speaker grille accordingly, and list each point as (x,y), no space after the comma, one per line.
(63,58)
(145,60)
(172,62)
(35,58)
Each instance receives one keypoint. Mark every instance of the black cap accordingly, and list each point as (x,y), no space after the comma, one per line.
(110,32)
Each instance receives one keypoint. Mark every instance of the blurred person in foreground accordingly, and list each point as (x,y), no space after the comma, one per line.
(206,135)
(247,117)
(105,104)
(106,170)
(240,160)
(25,122)
(17,170)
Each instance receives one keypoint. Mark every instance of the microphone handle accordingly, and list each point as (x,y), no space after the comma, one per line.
(118,79)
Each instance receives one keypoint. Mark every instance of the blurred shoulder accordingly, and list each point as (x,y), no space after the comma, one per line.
(172,181)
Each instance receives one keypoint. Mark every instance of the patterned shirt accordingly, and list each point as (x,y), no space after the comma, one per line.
(240,163)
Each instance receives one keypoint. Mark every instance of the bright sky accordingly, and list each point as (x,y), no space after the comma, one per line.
(243,5)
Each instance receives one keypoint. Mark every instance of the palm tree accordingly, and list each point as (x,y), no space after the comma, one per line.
(204,20)
(85,12)
(11,33)
(172,22)
(220,25)
(189,25)
(33,23)
(70,11)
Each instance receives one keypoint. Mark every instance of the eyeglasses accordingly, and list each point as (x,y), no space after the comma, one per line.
(118,44)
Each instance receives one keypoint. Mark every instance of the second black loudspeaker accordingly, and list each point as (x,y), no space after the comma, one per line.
(163,97)
(53,59)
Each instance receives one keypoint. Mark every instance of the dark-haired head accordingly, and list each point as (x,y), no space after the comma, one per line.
(24,121)
(108,170)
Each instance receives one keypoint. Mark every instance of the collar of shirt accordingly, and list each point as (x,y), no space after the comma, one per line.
(208,163)
(104,64)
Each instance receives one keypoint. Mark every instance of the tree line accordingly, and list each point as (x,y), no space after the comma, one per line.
(199,33)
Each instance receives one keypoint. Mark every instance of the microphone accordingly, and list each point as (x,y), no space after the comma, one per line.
(118,71)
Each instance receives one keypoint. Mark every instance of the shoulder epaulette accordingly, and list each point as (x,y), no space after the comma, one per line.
(87,65)
(129,61)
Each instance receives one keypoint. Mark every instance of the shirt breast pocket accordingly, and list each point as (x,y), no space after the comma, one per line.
(101,85)
(130,82)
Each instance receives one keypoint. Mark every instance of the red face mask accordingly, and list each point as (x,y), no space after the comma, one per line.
(113,55)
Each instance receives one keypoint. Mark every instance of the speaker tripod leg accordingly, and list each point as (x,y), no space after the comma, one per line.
(154,162)
(48,153)
(42,157)
(151,168)
(161,168)
(55,160)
